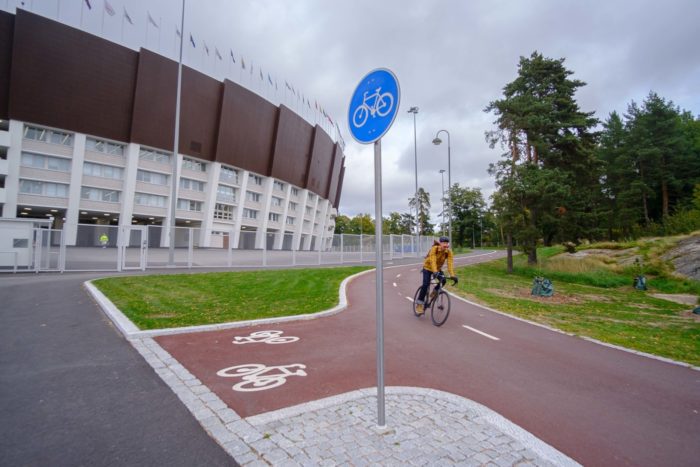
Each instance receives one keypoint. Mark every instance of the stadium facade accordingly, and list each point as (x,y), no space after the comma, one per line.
(86,138)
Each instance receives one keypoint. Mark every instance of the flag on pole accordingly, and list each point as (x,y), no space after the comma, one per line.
(232,57)
(261,75)
(177,32)
(128,18)
(108,8)
(216,52)
(206,49)
(192,41)
(269,79)
(151,20)
(87,2)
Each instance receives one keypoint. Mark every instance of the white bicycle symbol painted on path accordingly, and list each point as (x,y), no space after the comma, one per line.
(382,105)
(259,377)
(267,337)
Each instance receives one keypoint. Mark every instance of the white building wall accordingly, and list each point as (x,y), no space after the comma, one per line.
(213,171)
(14,154)
(76,179)
(239,211)
(129,185)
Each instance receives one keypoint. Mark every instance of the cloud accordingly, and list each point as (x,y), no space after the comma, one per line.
(452,57)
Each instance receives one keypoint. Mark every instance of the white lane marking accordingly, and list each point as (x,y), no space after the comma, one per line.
(395,284)
(480,332)
(398,275)
(409,299)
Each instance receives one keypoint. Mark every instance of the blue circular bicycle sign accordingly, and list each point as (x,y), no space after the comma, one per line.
(373,106)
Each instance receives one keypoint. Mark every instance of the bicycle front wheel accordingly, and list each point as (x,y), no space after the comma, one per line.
(440,309)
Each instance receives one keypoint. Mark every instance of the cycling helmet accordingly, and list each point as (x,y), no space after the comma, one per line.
(444,239)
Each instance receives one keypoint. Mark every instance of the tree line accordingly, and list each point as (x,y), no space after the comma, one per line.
(565,176)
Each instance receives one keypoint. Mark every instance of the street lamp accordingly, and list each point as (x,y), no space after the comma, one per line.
(414,111)
(436,142)
(442,195)
(176,143)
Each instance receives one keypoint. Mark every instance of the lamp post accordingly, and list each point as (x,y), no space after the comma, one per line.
(414,111)
(442,194)
(436,142)
(174,181)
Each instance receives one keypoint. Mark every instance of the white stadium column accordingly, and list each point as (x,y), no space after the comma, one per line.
(76,180)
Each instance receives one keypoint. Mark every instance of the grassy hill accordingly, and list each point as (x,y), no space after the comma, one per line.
(594,294)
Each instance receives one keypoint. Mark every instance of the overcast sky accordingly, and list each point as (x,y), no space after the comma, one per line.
(451,58)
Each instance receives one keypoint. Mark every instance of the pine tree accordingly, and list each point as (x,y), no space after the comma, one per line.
(550,152)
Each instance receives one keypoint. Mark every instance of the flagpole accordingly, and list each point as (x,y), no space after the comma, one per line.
(174,181)
(103,18)
(160,23)
(82,7)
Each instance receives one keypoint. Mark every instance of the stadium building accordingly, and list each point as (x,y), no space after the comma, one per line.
(86,139)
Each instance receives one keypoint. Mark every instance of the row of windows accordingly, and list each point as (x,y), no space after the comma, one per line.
(39,161)
(189,184)
(48,136)
(194,165)
(228,175)
(147,199)
(226,194)
(104,171)
(252,196)
(36,187)
(189,205)
(155,156)
(105,147)
(154,178)
(221,211)
(99,194)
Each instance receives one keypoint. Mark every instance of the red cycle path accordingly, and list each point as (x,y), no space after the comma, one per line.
(599,405)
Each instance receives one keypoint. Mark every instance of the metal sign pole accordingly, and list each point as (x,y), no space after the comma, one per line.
(372,111)
(380,280)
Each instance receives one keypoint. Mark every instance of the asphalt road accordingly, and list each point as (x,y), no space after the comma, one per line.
(597,404)
(74,392)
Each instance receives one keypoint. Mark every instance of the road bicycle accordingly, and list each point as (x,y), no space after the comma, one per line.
(436,299)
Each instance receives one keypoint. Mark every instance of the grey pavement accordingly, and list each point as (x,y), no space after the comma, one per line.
(74,392)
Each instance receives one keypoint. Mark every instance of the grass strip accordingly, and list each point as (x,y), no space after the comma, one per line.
(175,300)
(599,304)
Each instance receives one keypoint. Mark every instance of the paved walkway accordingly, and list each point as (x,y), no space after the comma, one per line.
(424,427)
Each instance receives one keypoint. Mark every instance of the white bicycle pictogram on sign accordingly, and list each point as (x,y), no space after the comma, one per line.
(259,377)
(267,337)
(382,105)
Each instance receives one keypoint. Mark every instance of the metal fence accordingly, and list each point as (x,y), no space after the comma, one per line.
(88,247)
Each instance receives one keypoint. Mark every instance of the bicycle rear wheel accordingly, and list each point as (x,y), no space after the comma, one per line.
(440,309)
(415,299)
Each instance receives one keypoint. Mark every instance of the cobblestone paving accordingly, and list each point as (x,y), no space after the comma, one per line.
(424,427)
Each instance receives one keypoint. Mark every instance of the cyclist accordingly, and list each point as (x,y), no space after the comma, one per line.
(439,252)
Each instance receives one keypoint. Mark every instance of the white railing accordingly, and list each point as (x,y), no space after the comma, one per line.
(88,247)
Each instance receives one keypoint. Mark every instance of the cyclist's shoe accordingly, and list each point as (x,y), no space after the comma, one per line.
(420,310)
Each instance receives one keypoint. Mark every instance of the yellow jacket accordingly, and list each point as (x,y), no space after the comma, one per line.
(436,258)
